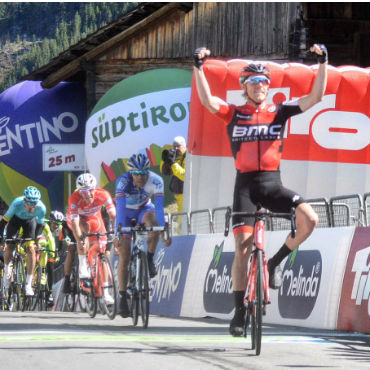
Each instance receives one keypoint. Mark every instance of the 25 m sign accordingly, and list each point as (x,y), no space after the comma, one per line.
(63,157)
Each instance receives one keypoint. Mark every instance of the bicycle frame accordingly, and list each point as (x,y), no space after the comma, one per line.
(101,273)
(138,276)
(257,293)
(258,244)
(17,288)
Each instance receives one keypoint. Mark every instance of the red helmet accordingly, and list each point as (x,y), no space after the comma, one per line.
(253,69)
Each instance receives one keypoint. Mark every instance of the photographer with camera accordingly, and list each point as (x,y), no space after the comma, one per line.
(173,164)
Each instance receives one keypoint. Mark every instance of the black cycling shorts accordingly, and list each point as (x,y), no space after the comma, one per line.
(261,188)
(28,226)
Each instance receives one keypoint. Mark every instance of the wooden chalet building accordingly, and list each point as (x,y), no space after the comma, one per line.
(163,35)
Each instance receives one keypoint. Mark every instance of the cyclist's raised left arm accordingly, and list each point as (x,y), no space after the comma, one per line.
(319,85)
(211,102)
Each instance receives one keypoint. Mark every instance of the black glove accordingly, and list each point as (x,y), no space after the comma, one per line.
(198,62)
(171,156)
(324,57)
(165,155)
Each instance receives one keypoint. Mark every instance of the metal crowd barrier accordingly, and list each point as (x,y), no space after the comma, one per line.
(367,208)
(346,210)
(201,221)
(355,209)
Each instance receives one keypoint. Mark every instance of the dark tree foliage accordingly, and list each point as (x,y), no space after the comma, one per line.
(31,34)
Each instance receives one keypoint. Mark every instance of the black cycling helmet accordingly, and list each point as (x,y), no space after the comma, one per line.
(253,69)
(57,217)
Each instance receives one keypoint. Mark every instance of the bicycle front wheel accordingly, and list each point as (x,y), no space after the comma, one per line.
(70,298)
(109,289)
(259,302)
(19,286)
(144,290)
(36,281)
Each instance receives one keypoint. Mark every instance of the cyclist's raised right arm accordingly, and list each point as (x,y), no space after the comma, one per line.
(212,103)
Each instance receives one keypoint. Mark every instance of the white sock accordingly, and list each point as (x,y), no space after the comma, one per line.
(29,280)
(82,261)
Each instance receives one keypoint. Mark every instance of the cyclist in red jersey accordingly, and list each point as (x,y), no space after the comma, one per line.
(84,216)
(255,132)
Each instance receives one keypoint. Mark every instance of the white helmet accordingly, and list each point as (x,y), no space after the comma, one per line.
(86,181)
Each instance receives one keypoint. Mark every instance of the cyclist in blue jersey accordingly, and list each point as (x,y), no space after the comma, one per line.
(134,190)
(26,212)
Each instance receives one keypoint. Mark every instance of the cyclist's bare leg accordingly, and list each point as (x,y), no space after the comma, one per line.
(307,220)
(31,258)
(69,260)
(243,245)
(150,220)
(8,252)
(124,258)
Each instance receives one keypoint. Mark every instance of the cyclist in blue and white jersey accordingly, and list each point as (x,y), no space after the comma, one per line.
(134,190)
(28,212)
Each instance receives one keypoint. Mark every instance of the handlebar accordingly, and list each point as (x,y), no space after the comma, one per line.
(141,228)
(98,234)
(262,215)
(18,240)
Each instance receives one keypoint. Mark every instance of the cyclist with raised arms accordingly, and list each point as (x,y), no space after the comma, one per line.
(84,216)
(26,212)
(63,238)
(257,158)
(134,190)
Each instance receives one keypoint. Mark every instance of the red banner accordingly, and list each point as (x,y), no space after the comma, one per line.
(334,130)
(354,309)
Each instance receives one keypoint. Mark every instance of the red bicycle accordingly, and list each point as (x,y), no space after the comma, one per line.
(257,294)
(101,284)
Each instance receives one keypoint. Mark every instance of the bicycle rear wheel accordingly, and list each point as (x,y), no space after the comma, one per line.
(259,302)
(144,290)
(110,288)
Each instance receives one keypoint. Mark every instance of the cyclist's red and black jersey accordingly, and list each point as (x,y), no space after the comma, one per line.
(256,134)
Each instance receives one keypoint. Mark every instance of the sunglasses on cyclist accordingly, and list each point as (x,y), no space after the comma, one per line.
(29,203)
(257,79)
(140,173)
(86,191)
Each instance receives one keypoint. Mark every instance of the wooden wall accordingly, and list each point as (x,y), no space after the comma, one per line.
(244,30)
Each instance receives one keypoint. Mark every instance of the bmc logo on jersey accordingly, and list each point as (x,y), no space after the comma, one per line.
(256,132)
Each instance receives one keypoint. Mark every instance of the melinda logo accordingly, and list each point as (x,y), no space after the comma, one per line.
(218,288)
(301,285)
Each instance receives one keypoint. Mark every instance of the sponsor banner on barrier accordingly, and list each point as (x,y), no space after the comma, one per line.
(208,290)
(354,309)
(167,288)
(312,279)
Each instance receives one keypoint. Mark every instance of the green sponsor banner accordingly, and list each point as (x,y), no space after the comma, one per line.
(142,113)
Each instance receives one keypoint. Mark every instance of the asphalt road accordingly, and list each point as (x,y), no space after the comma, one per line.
(60,341)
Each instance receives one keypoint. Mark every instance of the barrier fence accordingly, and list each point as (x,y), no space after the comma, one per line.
(345,210)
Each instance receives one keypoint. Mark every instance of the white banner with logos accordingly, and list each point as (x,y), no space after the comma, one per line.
(312,282)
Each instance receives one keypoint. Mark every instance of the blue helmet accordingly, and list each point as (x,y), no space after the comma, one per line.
(32,194)
(138,162)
